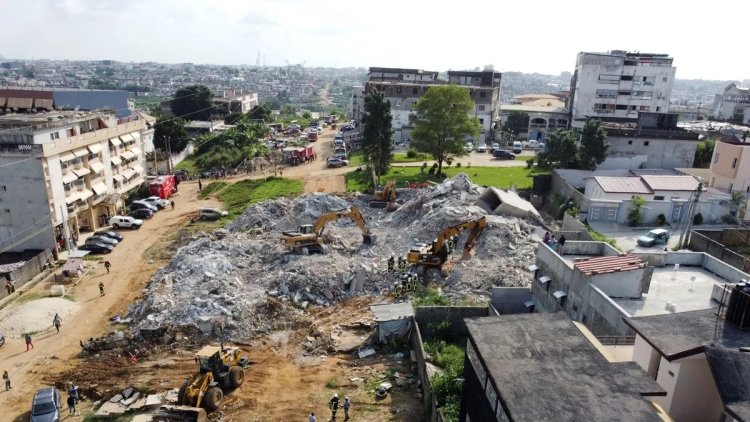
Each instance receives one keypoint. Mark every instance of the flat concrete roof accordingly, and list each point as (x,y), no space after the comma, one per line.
(677,288)
(684,334)
(392,311)
(544,369)
(731,371)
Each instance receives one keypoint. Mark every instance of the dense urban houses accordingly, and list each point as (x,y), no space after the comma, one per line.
(733,104)
(65,167)
(618,85)
(404,87)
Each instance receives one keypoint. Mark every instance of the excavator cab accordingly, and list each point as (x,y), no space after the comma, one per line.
(306,229)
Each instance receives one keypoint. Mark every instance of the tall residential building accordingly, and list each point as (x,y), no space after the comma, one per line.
(65,166)
(358,103)
(618,85)
(404,87)
(734,104)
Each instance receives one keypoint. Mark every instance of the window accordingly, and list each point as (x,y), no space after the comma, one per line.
(626,78)
(658,198)
(482,94)
(630,63)
(664,79)
(609,79)
(606,93)
(481,121)
(643,95)
(734,163)
(632,108)
(623,92)
(630,142)
(621,107)
(54,135)
(481,107)
(658,108)
(644,108)
(415,91)
(645,143)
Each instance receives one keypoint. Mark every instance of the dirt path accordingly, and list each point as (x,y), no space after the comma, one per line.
(53,352)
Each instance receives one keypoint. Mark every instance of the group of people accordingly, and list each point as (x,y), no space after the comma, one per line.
(554,244)
(333,404)
(392,265)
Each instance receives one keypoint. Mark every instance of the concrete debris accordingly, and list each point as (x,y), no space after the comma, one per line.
(246,282)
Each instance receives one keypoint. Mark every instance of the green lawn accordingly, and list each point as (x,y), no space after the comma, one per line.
(400,157)
(238,196)
(188,164)
(500,177)
(211,188)
(355,159)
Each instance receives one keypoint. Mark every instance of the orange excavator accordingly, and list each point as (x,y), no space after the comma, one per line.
(436,254)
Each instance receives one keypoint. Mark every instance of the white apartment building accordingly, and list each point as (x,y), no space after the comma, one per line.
(617,85)
(732,104)
(65,166)
(358,103)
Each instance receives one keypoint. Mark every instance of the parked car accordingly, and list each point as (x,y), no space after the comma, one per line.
(102,239)
(125,221)
(136,205)
(142,214)
(46,405)
(155,200)
(211,213)
(337,162)
(517,147)
(469,147)
(312,136)
(109,233)
(495,146)
(97,248)
(531,144)
(320,130)
(654,237)
(503,155)
(482,148)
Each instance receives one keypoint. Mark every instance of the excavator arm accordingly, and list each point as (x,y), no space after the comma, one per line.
(351,213)
(476,226)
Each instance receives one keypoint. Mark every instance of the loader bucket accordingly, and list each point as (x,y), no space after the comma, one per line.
(368,239)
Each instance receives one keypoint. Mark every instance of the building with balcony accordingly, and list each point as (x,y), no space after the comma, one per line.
(65,167)
(618,85)
(732,104)
(15,99)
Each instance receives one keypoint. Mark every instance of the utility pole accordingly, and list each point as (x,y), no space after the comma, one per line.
(685,236)
(66,228)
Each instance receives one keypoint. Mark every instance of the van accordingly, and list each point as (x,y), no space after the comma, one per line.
(517,147)
(531,144)
(125,221)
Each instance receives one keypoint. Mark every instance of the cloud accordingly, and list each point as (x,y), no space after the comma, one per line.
(254,19)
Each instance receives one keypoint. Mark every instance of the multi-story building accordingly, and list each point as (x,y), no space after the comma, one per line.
(618,85)
(234,101)
(358,103)
(404,87)
(730,168)
(732,104)
(45,99)
(64,167)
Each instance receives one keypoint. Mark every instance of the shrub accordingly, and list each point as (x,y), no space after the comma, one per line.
(572,211)
(458,165)
(698,219)
(728,219)
(411,153)
(530,163)
(661,220)
(634,215)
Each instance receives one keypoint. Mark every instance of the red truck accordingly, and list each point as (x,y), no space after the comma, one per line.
(162,186)
(312,136)
(298,155)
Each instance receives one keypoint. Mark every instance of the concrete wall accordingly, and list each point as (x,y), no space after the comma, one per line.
(428,398)
(33,266)
(659,153)
(574,247)
(625,284)
(691,391)
(561,187)
(701,243)
(646,356)
(510,300)
(429,316)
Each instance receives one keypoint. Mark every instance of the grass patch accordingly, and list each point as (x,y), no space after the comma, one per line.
(356,159)
(431,297)
(400,157)
(93,258)
(499,177)
(211,188)
(238,196)
(447,385)
(188,164)
(598,237)
(331,383)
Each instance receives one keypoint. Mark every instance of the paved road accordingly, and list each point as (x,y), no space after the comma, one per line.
(626,236)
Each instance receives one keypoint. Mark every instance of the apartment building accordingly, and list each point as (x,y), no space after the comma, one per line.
(730,165)
(358,103)
(20,99)
(65,166)
(732,104)
(229,101)
(404,87)
(618,85)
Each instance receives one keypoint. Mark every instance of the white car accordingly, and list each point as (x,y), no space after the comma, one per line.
(320,130)
(482,148)
(155,200)
(125,221)
(469,147)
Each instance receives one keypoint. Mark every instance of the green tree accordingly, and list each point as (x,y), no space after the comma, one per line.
(377,146)
(561,150)
(260,112)
(170,134)
(593,149)
(703,153)
(442,123)
(634,214)
(518,121)
(193,103)
(233,117)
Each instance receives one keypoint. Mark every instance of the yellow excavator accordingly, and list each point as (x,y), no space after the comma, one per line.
(435,255)
(309,237)
(385,197)
(220,368)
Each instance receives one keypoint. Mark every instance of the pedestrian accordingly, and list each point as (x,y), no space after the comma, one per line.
(200,185)
(346,408)
(172,204)
(107,265)
(546,238)
(334,405)
(71,405)
(560,244)
(6,378)
(56,322)
(27,337)
(552,242)
(312,418)
(101,289)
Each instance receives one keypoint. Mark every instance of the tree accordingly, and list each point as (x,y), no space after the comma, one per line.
(518,121)
(442,123)
(260,112)
(193,103)
(170,134)
(593,149)
(634,214)
(377,146)
(703,153)
(561,150)
(233,117)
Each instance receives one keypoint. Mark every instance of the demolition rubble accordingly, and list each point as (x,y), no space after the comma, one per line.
(241,280)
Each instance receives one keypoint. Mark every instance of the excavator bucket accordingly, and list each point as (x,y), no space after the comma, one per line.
(368,239)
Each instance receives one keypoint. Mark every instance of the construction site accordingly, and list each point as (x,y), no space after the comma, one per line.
(267,317)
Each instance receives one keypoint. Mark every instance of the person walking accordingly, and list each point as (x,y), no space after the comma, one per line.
(546,238)
(334,405)
(172,204)
(200,185)
(346,408)
(552,242)
(107,265)
(6,378)
(560,244)
(56,322)
(27,337)
(101,289)
(71,405)
(312,418)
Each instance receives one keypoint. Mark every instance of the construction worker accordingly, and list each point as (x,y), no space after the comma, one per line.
(101,289)
(401,263)
(391,263)
(6,378)
(56,322)
(334,405)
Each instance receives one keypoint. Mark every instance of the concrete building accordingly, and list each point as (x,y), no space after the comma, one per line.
(404,87)
(732,104)
(358,104)
(47,99)
(229,101)
(730,165)
(64,166)
(546,115)
(541,368)
(618,85)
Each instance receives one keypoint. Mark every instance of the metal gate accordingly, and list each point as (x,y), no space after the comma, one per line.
(602,213)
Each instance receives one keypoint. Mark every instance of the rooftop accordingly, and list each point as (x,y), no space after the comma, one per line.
(731,371)
(673,183)
(392,311)
(63,117)
(647,183)
(609,264)
(546,370)
(684,334)
(676,287)
(401,70)
(622,184)
(539,106)
(657,172)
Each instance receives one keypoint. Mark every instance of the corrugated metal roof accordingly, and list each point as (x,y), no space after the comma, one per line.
(622,184)
(657,172)
(609,264)
(673,183)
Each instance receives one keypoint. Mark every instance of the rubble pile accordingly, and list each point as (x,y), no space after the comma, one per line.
(243,278)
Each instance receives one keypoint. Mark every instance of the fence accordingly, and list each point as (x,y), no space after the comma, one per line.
(702,243)
(34,265)
(428,398)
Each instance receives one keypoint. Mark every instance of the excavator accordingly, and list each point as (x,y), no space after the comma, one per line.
(219,368)
(309,237)
(385,197)
(436,255)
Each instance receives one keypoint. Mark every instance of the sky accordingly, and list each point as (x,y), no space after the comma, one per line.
(541,36)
